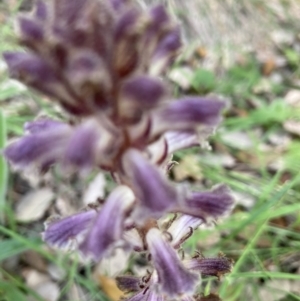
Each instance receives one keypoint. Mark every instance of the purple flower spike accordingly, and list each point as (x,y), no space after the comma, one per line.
(210,266)
(153,191)
(188,114)
(108,226)
(215,203)
(174,279)
(71,229)
(128,283)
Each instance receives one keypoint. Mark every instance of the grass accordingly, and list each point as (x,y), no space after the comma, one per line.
(260,239)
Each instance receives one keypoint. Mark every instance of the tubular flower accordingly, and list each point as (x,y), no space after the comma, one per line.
(103,62)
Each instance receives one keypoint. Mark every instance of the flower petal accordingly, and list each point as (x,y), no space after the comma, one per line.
(174,279)
(139,94)
(210,266)
(182,228)
(108,226)
(140,296)
(126,55)
(43,124)
(28,67)
(181,140)
(128,283)
(159,16)
(39,147)
(41,10)
(134,239)
(68,11)
(165,51)
(81,148)
(34,71)
(154,193)
(187,114)
(61,233)
(215,203)
(30,30)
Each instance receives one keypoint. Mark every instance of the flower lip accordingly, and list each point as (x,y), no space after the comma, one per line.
(108,226)
(30,30)
(210,204)
(174,279)
(154,193)
(39,147)
(128,283)
(182,228)
(63,232)
(188,114)
(210,266)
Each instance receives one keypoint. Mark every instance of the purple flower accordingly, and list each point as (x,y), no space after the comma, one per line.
(108,226)
(140,94)
(128,283)
(154,193)
(187,114)
(182,228)
(50,141)
(174,279)
(210,204)
(102,62)
(44,144)
(82,51)
(65,232)
(209,266)
(181,140)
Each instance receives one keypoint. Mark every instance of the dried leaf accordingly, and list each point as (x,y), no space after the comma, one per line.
(96,189)
(292,126)
(182,76)
(34,205)
(293,98)
(188,167)
(109,287)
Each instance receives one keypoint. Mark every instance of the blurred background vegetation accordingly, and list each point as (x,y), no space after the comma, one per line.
(246,51)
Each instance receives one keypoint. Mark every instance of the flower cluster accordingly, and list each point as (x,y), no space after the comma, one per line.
(103,61)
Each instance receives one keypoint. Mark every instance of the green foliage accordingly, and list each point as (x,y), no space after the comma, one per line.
(3,165)
(203,81)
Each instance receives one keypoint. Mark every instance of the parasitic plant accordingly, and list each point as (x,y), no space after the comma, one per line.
(103,62)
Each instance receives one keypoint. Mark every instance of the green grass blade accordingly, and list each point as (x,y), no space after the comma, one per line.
(3,166)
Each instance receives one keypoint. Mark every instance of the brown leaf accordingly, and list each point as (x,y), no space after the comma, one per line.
(268,66)
(292,126)
(188,167)
(110,288)
(34,205)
